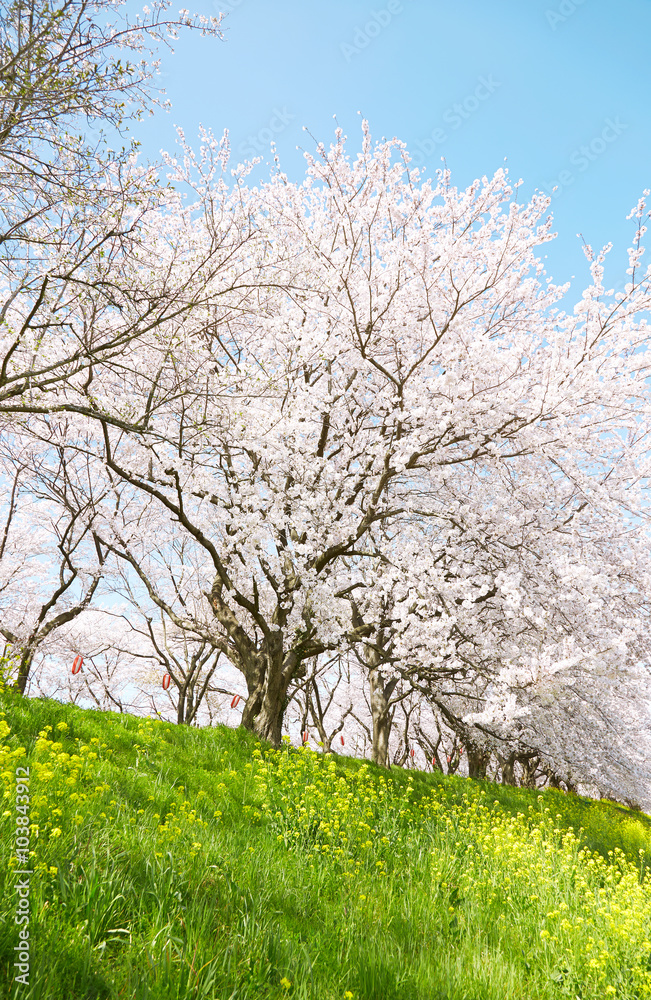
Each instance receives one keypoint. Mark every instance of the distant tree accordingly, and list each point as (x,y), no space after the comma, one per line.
(51,563)
(323,701)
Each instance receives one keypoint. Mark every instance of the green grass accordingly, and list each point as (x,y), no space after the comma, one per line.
(180,863)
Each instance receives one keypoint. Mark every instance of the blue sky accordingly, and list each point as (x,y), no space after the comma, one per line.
(557,88)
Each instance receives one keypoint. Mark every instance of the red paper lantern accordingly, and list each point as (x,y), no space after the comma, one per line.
(306,737)
(235,702)
(448,759)
(433,761)
(460,750)
(411,753)
(77,664)
(342,740)
(166,681)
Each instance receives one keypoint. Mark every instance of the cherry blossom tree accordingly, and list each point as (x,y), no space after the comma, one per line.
(126,657)
(78,218)
(316,700)
(393,361)
(51,563)
(347,417)
(86,663)
(63,66)
(406,362)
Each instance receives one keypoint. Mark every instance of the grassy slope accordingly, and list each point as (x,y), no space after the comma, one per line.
(182,863)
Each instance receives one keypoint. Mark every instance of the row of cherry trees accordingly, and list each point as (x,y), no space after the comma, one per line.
(285,429)
(598,747)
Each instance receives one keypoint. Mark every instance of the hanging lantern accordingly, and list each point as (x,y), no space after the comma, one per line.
(411,753)
(433,761)
(166,681)
(306,736)
(236,700)
(460,750)
(449,759)
(342,740)
(77,664)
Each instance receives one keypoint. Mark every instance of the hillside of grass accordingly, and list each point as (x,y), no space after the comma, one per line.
(173,863)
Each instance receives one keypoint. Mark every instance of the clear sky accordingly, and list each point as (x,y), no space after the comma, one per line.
(558,88)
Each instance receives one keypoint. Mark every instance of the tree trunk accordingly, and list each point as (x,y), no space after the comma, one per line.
(381,732)
(276,670)
(382,715)
(508,769)
(529,766)
(23,671)
(185,709)
(268,723)
(254,677)
(478,761)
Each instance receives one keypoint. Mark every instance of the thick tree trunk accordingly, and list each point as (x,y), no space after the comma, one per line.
(529,766)
(382,715)
(268,670)
(381,733)
(478,761)
(252,706)
(268,680)
(20,683)
(268,722)
(508,769)
(253,671)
